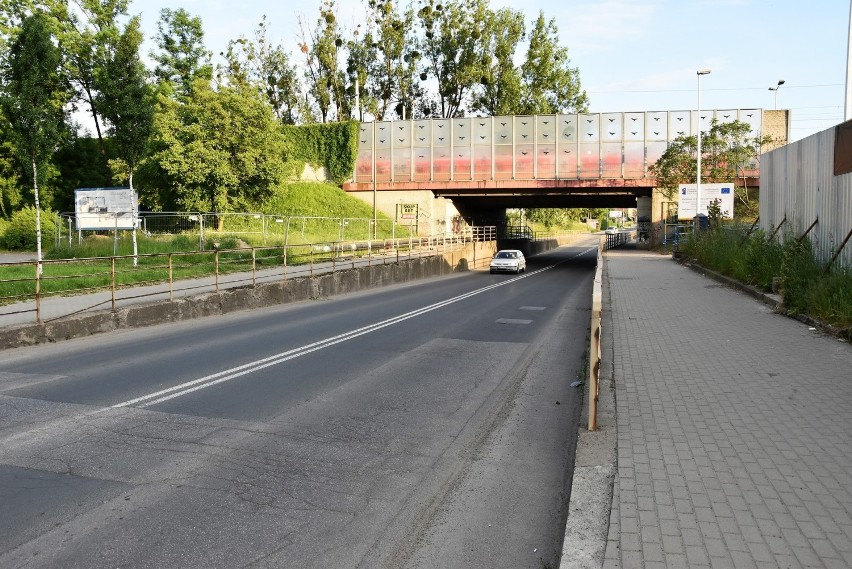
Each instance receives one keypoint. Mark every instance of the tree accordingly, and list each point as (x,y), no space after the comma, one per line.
(395,60)
(220,150)
(10,178)
(267,68)
(321,47)
(551,85)
(126,101)
(182,58)
(452,48)
(34,101)
(726,150)
(499,91)
(86,35)
(362,55)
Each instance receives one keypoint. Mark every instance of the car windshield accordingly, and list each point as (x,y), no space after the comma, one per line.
(507,255)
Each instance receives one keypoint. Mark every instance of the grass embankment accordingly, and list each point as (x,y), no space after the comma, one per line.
(92,269)
(806,287)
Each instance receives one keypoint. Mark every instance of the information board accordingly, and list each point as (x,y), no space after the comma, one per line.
(723,192)
(105,208)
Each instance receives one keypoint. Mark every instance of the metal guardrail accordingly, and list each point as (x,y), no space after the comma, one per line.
(595,343)
(266,228)
(620,238)
(23,286)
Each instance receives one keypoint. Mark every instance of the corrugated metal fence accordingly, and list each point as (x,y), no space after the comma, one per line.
(799,195)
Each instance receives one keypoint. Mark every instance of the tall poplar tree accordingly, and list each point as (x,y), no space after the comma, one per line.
(499,91)
(33,100)
(127,101)
(452,49)
(551,85)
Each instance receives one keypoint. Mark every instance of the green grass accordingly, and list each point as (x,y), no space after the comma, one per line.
(17,281)
(806,287)
(91,269)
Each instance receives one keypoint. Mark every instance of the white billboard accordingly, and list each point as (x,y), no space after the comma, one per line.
(106,208)
(723,192)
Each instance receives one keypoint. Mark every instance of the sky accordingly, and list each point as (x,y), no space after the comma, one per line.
(632,55)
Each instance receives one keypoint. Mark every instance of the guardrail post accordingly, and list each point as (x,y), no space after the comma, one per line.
(253,268)
(112,281)
(38,293)
(216,268)
(171,280)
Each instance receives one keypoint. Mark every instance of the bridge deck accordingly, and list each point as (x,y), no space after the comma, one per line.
(597,150)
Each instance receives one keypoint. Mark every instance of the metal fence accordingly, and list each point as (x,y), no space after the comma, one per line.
(800,196)
(118,279)
(265,229)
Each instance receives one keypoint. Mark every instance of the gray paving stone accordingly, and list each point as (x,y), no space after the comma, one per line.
(733,423)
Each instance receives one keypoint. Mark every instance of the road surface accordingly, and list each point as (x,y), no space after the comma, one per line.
(424,425)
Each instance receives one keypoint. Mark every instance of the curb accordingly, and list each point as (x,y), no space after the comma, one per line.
(595,465)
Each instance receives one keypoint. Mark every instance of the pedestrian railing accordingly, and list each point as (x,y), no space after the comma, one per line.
(25,285)
(620,238)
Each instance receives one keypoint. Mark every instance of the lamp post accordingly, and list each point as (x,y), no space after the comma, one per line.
(780,82)
(699,73)
(847,112)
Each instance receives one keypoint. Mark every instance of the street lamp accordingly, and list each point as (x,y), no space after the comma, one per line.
(780,82)
(699,73)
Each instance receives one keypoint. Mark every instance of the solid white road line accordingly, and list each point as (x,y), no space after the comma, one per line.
(235,372)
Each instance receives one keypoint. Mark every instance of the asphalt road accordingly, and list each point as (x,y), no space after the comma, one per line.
(425,425)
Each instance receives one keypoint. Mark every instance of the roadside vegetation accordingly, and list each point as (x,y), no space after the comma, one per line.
(807,285)
(317,210)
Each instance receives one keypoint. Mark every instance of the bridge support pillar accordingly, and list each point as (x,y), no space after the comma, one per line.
(643,208)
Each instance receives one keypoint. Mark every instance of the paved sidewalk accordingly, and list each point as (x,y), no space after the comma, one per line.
(734,427)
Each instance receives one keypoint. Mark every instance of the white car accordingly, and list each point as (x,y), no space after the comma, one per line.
(508,261)
(611,231)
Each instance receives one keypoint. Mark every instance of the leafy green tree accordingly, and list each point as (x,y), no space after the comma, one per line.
(452,49)
(87,34)
(266,67)
(726,150)
(80,164)
(182,58)
(126,99)
(550,84)
(220,151)
(10,179)
(33,101)
(499,91)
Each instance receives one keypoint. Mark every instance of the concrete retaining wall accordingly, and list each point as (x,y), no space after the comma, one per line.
(474,255)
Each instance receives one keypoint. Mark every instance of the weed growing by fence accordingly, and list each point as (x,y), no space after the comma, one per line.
(807,288)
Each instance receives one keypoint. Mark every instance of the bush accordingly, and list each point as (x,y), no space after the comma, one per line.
(333,145)
(20,234)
